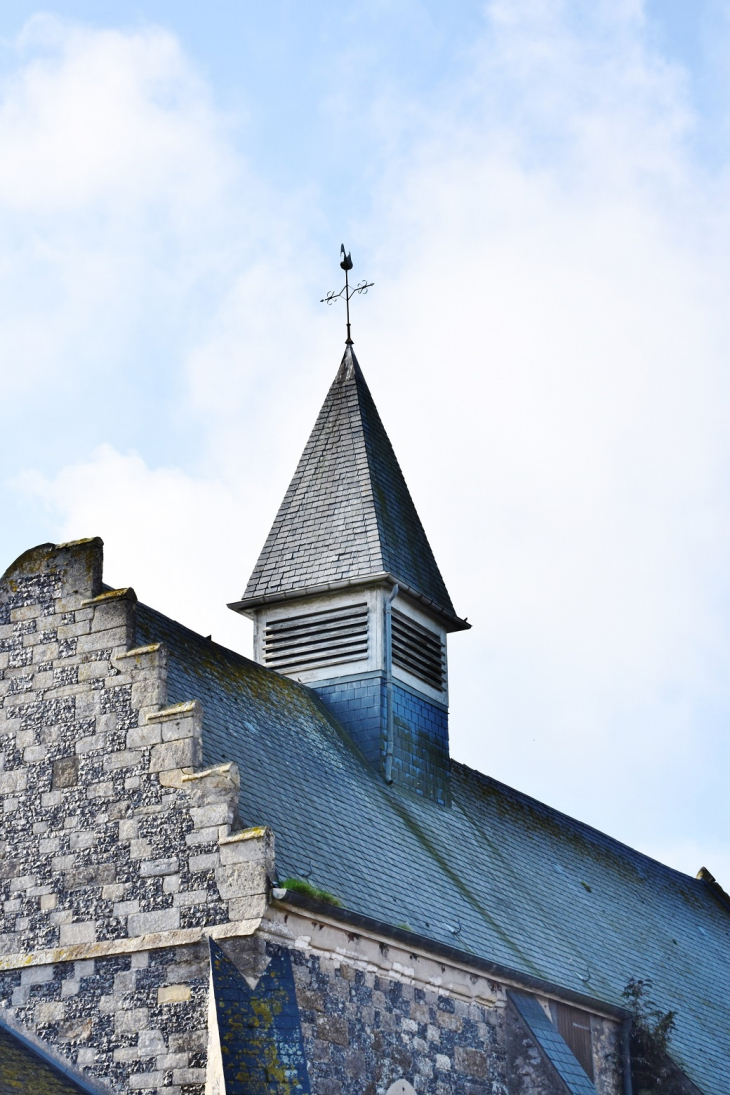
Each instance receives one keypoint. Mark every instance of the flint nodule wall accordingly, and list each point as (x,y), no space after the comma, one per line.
(120,858)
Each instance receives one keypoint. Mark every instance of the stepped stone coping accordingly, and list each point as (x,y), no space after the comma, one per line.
(255,833)
(177,711)
(126,594)
(218,769)
(139,650)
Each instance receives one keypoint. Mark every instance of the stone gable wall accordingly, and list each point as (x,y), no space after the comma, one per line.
(115,850)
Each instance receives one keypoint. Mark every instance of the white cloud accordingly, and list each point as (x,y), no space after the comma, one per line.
(546,343)
(561,405)
(170,535)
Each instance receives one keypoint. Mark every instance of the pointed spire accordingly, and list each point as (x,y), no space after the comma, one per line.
(348,515)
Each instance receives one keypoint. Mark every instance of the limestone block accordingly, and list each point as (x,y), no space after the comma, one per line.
(85,839)
(198,863)
(183,753)
(190,897)
(149,693)
(173,994)
(151,1041)
(142,1081)
(14,781)
(254,845)
(125,908)
(140,737)
(206,836)
(179,712)
(125,1054)
(35,753)
(48,1012)
(241,880)
(84,932)
(247,908)
(132,1020)
(173,1060)
(188,1076)
(24,882)
(100,790)
(153,656)
(113,638)
(123,758)
(36,975)
(217,813)
(140,849)
(148,923)
(155,868)
(124,982)
(90,744)
(128,829)
(90,671)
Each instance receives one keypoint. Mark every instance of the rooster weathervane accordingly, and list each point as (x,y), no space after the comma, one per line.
(346,291)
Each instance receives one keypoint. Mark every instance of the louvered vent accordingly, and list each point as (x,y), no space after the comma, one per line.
(315,639)
(418,650)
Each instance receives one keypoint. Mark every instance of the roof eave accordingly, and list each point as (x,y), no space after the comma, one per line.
(506,974)
(248,605)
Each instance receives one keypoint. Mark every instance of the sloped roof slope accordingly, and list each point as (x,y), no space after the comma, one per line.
(347,513)
(499,875)
(25,1068)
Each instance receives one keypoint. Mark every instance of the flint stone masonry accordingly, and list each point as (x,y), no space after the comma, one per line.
(364,1028)
(109,836)
(114,1016)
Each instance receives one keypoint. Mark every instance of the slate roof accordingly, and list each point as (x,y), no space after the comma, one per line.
(347,513)
(25,1068)
(498,875)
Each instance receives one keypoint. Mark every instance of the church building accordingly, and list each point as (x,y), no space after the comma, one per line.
(223,876)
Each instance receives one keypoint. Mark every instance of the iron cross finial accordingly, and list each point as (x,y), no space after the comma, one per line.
(346,291)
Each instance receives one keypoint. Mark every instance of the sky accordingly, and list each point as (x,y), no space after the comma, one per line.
(539,190)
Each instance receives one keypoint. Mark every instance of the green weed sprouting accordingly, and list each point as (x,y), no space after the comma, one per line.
(300,885)
(652,1071)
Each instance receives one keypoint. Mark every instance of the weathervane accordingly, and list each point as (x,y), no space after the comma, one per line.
(346,291)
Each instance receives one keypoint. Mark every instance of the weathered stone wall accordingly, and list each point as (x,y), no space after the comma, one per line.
(365,1027)
(607,1061)
(138,1021)
(112,844)
(363,1031)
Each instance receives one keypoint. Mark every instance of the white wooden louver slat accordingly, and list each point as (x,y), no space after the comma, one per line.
(314,639)
(418,651)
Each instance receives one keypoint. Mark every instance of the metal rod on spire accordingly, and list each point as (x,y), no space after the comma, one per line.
(346,291)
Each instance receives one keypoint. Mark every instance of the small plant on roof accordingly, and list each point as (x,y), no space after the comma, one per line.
(652,1071)
(300,885)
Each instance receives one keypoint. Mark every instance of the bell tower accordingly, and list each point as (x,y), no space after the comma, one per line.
(346,596)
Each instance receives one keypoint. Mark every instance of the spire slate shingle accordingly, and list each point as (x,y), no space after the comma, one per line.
(348,513)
